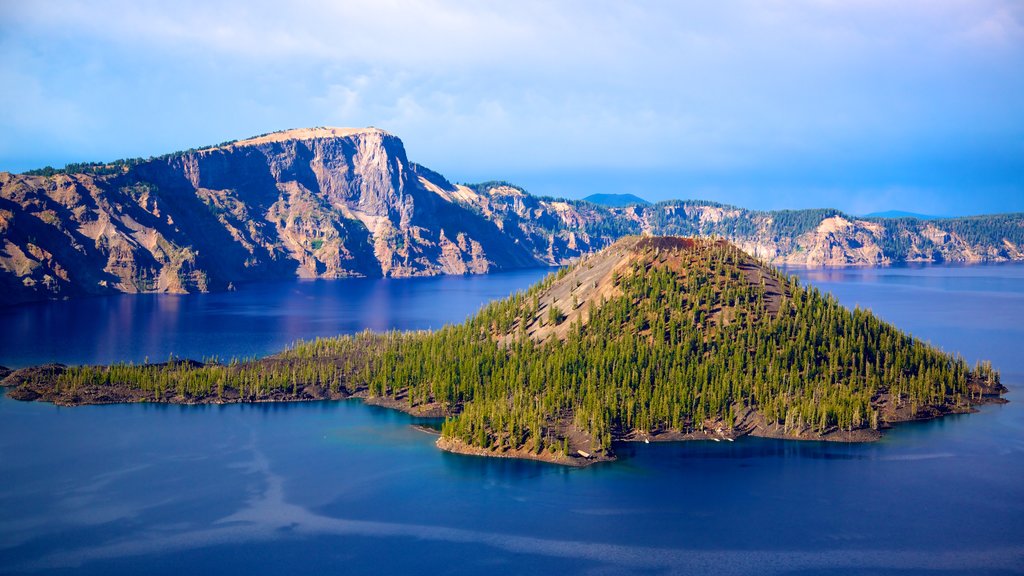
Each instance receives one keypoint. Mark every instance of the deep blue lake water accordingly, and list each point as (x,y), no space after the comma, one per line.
(347,488)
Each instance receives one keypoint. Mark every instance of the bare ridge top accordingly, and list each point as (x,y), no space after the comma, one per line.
(308,134)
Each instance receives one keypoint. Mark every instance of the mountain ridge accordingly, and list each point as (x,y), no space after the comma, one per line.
(347,202)
(616,200)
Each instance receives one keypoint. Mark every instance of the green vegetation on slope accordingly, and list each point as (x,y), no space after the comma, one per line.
(119,166)
(989,230)
(691,334)
(673,218)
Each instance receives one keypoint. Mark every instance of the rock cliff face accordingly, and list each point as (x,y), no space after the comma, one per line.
(312,203)
(335,203)
(831,238)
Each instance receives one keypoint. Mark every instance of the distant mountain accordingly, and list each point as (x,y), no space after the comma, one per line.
(901,214)
(340,202)
(617,200)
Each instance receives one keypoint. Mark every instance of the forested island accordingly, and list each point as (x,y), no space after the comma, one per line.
(653,338)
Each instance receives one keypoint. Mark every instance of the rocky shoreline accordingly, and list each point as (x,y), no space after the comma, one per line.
(456,446)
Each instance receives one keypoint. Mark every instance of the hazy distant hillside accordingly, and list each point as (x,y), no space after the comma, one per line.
(336,202)
(827,237)
(616,200)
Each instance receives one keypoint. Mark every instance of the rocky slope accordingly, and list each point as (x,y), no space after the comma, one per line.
(336,202)
(313,203)
(831,238)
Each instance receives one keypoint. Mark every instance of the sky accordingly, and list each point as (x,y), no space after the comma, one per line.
(858,105)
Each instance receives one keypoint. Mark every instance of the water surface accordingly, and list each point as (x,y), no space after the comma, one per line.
(342,487)
(256,320)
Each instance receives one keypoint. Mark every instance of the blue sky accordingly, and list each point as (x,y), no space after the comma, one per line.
(859,105)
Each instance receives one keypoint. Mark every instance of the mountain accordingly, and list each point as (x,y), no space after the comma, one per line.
(616,200)
(900,214)
(653,338)
(340,202)
(322,202)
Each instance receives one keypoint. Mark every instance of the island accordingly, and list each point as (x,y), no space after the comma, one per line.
(651,339)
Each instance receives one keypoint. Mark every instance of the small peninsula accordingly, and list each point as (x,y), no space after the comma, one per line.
(650,339)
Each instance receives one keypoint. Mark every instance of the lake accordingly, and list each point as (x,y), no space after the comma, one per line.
(346,488)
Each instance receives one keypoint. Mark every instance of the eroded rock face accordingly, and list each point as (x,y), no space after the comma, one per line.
(339,202)
(314,203)
(830,238)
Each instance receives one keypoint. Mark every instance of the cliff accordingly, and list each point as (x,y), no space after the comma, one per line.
(338,202)
(311,203)
(827,237)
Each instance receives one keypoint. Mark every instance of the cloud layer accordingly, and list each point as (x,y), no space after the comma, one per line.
(863,105)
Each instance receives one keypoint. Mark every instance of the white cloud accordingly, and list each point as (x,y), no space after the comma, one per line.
(511,86)
(1003,28)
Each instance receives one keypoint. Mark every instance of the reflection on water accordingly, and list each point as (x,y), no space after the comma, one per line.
(343,487)
(257,320)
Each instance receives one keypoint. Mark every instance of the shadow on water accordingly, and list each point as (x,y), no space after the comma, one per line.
(256,320)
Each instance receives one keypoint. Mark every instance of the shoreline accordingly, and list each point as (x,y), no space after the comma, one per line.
(29,385)
(456,446)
